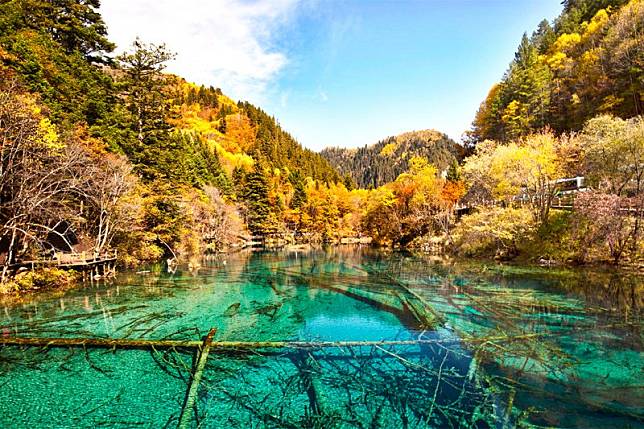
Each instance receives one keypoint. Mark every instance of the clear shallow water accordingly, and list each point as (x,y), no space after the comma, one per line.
(510,347)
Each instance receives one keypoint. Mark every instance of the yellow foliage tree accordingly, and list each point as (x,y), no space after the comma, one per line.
(524,171)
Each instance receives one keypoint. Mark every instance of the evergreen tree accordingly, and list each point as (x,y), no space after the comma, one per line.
(213,100)
(299,190)
(348,182)
(590,63)
(216,174)
(384,161)
(279,149)
(144,87)
(76,25)
(453,174)
(575,12)
(543,37)
(223,126)
(255,195)
(51,46)
(238,181)
(527,90)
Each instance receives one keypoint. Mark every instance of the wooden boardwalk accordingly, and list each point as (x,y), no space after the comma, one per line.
(96,265)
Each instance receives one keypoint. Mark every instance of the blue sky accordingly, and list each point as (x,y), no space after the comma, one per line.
(341,73)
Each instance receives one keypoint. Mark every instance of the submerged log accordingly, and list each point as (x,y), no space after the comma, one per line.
(195,379)
(305,365)
(98,342)
(245,345)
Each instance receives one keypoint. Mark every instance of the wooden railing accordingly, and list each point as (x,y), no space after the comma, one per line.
(75,258)
(80,260)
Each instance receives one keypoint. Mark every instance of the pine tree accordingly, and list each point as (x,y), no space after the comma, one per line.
(299,190)
(525,92)
(238,181)
(144,87)
(223,125)
(255,194)
(52,46)
(453,173)
(217,175)
(348,182)
(76,25)
(543,37)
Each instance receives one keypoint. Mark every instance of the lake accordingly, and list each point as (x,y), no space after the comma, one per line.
(433,343)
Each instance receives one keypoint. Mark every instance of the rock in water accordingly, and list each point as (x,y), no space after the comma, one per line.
(232,310)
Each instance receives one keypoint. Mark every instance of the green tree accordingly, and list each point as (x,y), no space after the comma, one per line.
(51,45)
(255,195)
(453,173)
(528,92)
(238,178)
(543,37)
(76,25)
(299,189)
(348,182)
(575,12)
(590,63)
(623,49)
(223,126)
(144,87)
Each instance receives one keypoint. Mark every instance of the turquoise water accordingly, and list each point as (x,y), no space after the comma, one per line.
(502,346)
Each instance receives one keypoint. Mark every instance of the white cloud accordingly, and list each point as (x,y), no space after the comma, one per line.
(224,43)
(323,96)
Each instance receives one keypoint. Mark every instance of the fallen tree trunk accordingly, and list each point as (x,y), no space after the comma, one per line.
(195,379)
(240,345)
(98,342)
(305,365)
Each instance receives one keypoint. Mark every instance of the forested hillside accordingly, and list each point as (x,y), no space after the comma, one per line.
(174,169)
(103,152)
(569,106)
(179,167)
(588,62)
(374,165)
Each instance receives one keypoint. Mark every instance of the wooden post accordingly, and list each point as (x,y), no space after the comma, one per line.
(195,379)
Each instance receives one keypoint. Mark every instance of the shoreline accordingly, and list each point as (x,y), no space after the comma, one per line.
(444,257)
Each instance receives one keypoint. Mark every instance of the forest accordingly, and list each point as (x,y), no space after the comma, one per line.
(106,152)
(587,63)
(381,163)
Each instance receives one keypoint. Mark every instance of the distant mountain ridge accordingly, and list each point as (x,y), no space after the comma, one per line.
(380,163)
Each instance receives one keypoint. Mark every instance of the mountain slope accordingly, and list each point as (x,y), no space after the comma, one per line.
(590,61)
(375,165)
(241,134)
(197,170)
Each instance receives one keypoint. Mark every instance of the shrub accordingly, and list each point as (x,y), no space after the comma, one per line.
(602,223)
(553,240)
(45,278)
(493,231)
